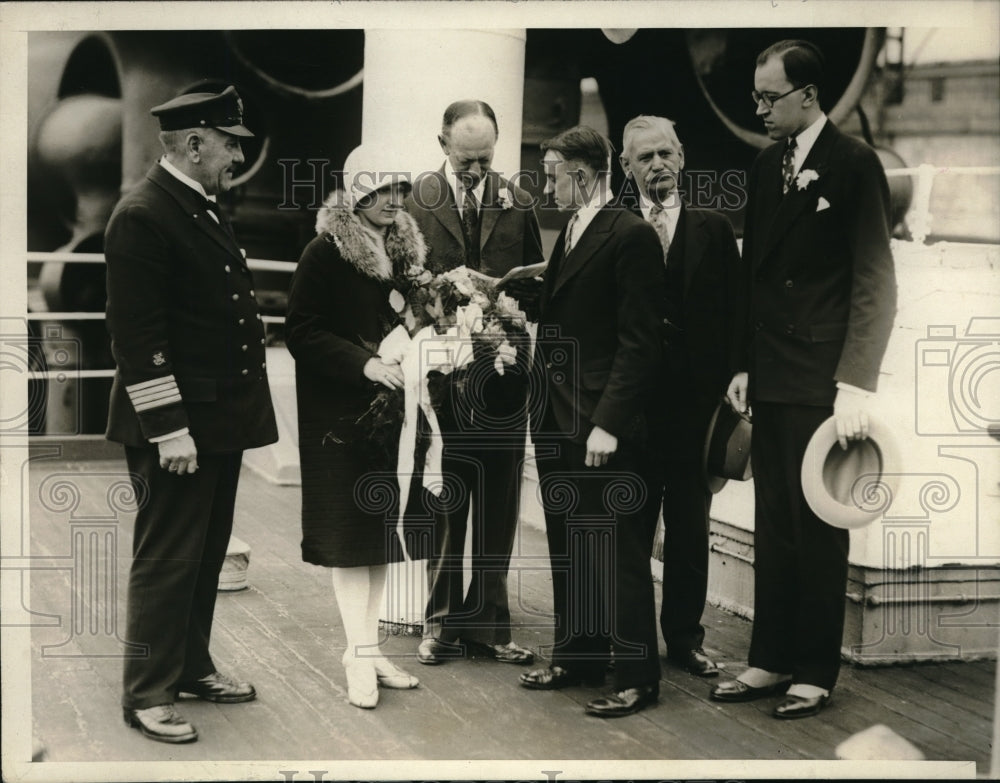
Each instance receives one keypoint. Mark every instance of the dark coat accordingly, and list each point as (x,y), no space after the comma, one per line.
(338,312)
(822,289)
(186,332)
(601,332)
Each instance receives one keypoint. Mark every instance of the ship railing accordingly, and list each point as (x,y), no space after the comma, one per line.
(919,220)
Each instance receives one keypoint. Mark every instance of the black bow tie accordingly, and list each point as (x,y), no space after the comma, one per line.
(213,207)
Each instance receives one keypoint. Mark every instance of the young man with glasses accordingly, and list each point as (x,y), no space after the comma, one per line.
(818,305)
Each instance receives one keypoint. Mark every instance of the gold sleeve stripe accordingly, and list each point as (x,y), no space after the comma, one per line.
(154,394)
(145,406)
(166,379)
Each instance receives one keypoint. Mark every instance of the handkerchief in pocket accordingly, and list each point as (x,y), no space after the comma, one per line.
(822,204)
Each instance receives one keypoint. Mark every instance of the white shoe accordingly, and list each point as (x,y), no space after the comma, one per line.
(362,684)
(391,676)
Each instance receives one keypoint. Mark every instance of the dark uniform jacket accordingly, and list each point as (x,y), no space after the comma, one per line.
(819,272)
(186,332)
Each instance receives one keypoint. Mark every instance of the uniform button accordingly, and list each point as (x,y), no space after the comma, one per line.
(245,372)
(548,365)
(251,292)
(261,340)
(241,321)
(236,297)
(790,328)
(789,284)
(227,269)
(258,316)
(263,365)
(243,347)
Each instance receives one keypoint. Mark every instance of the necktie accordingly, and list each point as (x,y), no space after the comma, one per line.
(470,228)
(788,165)
(220,218)
(570,239)
(658,219)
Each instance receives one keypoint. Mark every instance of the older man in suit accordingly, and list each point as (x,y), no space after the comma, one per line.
(190,394)
(702,264)
(820,298)
(600,346)
(471,216)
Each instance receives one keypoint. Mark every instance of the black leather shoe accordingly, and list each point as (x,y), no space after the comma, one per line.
(434,651)
(219,688)
(695,661)
(624,702)
(555,677)
(504,653)
(736,690)
(161,723)
(800,706)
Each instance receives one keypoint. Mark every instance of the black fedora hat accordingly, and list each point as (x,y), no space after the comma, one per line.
(727,447)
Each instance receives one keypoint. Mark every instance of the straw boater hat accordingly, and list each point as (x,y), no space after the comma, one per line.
(850,488)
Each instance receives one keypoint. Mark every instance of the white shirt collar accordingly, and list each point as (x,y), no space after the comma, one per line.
(671,211)
(672,206)
(178,174)
(805,141)
(586,213)
(459,192)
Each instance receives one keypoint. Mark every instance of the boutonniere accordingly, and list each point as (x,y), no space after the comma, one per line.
(505,199)
(805,177)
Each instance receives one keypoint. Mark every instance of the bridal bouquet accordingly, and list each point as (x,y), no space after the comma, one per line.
(445,320)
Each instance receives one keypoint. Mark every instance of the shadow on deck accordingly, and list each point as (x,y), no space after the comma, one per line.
(284,635)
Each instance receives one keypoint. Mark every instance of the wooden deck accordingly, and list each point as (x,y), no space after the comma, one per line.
(283,634)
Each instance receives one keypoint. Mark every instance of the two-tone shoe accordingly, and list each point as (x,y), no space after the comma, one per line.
(738,691)
(161,723)
(219,688)
(626,702)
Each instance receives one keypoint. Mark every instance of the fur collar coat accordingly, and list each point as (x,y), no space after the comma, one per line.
(403,246)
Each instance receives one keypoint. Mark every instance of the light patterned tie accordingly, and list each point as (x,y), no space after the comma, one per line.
(788,165)
(658,219)
(570,239)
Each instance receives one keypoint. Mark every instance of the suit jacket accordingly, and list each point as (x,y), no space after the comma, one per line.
(509,237)
(699,349)
(600,337)
(185,330)
(818,274)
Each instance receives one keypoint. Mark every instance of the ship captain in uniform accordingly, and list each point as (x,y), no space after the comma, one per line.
(190,394)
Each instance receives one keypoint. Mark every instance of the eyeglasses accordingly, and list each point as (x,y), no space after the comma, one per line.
(768,101)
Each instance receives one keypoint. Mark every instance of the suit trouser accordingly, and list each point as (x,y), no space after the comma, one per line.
(686,504)
(182,531)
(686,501)
(487,479)
(600,541)
(800,569)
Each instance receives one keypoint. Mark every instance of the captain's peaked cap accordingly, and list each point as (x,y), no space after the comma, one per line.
(222,111)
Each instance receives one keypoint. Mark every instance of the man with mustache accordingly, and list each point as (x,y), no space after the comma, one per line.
(471,216)
(190,394)
(702,262)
